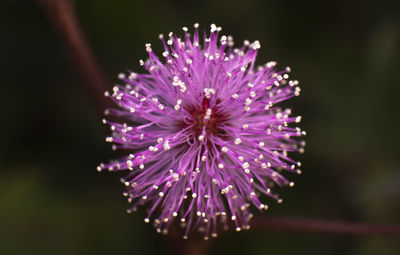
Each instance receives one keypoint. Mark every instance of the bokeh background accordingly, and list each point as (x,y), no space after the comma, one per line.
(346,55)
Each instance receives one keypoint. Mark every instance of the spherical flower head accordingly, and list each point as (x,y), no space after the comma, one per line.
(204,136)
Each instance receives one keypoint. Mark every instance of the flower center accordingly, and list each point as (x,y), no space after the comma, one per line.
(209,121)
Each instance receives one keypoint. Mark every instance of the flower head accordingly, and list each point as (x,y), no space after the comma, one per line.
(206,138)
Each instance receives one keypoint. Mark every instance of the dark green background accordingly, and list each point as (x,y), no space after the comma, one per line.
(346,55)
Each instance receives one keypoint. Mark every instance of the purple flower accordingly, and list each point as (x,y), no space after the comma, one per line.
(204,132)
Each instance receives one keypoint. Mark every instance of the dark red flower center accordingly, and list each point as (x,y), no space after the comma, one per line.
(212,122)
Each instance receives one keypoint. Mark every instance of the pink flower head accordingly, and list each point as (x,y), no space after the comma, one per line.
(206,138)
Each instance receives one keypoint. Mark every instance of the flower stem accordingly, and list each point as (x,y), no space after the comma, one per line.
(62,15)
(323,226)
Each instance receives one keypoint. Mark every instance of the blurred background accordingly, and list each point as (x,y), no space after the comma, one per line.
(346,55)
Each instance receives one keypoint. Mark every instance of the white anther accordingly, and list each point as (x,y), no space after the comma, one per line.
(167,146)
(213,28)
(238,141)
(248,101)
(220,166)
(261,144)
(208,114)
(208,92)
(271,64)
(148,49)
(200,138)
(297,91)
(235,96)
(224,149)
(256,45)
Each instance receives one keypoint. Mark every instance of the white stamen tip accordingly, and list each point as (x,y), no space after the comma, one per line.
(213,28)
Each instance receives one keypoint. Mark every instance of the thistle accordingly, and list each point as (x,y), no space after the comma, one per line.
(204,137)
